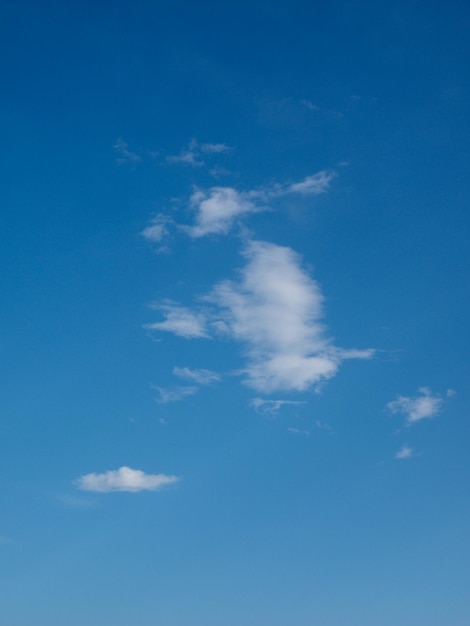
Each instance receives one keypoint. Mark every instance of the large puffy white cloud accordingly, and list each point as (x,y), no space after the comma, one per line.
(124,479)
(274,310)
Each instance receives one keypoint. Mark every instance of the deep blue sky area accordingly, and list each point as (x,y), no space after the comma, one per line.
(234,324)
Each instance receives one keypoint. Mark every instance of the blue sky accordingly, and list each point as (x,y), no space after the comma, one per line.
(235,316)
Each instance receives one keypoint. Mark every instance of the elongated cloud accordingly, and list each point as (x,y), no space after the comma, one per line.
(180,321)
(174,394)
(217,209)
(416,408)
(272,407)
(274,311)
(124,479)
(199,376)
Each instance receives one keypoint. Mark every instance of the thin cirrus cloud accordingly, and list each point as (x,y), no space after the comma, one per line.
(274,311)
(199,376)
(124,155)
(272,407)
(174,394)
(193,154)
(124,479)
(425,405)
(180,321)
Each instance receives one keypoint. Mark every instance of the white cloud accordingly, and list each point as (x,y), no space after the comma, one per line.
(217,209)
(174,394)
(180,321)
(124,479)
(200,376)
(193,153)
(423,406)
(404,453)
(275,311)
(188,156)
(312,185)
(271,407)
(124,154)
(157,229)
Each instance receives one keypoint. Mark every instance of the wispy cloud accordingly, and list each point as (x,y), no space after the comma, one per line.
(272,407)
(308,104)
(219,208)
(157,230)
(124,155)
(313,185)
(404,453)
(180,321)
(193,153)
(274,310)
(75,502)
(199,376)
(298,431)
(174,394)
(124,479)
(215,148)
(323,426)
(416,408)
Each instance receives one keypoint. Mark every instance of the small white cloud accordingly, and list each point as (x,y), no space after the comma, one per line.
(124,154)
(423,406)
(450,393)
(180,321)
(158,228)
(174,394)
(188,156)
(199,376)
(217,209)
(272,407)
(404,453)
(298,431)
(193,153)
(124,479)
